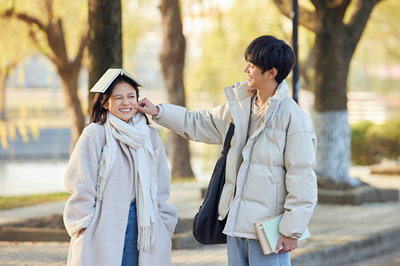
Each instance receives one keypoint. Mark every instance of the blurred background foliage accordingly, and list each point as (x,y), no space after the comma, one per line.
(375,66)
(136,23)
(222,51)
(371,144)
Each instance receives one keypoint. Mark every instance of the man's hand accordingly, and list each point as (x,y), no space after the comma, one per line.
(288,243)
(147,107)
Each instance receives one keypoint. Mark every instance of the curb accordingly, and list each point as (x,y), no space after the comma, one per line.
(184,240)
(357,196)
(352,251)
(33,234)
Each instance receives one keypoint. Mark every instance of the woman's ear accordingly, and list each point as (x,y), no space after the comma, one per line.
(105,106)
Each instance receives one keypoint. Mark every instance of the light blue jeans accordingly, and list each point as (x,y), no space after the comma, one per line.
(248,252)
(130,256)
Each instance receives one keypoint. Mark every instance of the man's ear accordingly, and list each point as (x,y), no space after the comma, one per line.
(273,72)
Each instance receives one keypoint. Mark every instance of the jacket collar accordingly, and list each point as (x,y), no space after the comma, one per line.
(238,94)
(281,92)
(237,91)
(239,101)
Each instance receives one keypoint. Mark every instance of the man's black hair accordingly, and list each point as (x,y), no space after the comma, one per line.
(267,52)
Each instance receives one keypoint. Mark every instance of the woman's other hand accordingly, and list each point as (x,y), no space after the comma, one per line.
(81,231)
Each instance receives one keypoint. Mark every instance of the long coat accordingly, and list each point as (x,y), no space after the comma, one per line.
(105,221)
(271,172)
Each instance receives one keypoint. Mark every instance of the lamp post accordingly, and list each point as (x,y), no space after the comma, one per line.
(295,49)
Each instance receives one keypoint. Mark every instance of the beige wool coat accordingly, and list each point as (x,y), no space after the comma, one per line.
(101,244)
(271,172)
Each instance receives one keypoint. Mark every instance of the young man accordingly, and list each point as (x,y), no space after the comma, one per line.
(270,166)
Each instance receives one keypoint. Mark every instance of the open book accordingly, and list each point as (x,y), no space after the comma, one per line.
(109,76)
(268,233)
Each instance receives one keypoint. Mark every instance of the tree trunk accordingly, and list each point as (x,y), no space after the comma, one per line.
(3,80)
(69,82)
(68,70)
(333,150)
(331,66)
(105,39)
(172,60)
(335,43)
(332,60)
(330,119)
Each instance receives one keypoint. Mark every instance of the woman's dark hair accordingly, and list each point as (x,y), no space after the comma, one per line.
(98,113)
(268,52)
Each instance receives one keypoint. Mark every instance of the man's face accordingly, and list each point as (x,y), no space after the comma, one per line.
(256,79)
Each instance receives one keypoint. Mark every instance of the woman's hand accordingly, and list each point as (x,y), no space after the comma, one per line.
(288,243)
(147,107)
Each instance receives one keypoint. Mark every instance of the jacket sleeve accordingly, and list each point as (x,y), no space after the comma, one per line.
(80,180)
(168,212)
(202,125)
(300,179)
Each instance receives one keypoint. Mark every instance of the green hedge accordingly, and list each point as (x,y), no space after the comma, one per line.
(371,143)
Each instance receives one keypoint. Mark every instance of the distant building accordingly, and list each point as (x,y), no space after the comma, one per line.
(366,106)
(361,106)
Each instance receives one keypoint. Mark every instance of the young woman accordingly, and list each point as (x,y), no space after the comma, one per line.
(119,180)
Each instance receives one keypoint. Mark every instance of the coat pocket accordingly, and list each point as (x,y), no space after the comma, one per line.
(163,236)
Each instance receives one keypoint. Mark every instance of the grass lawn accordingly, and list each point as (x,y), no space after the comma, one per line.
(21,201)
(28,200)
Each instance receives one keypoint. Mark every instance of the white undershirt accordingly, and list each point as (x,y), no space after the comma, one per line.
(257,115)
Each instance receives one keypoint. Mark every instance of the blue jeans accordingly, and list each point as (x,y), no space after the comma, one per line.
(245,252)
(130,256)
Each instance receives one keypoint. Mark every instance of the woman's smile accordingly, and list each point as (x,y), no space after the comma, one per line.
(125,110)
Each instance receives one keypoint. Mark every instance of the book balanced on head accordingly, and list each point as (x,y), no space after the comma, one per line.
(268,233)
(109,76)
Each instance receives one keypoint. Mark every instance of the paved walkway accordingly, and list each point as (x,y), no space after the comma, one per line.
(340,234)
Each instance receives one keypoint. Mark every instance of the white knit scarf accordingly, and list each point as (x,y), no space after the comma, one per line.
(136,135)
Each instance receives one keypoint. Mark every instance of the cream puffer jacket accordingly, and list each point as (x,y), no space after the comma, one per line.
(271,172)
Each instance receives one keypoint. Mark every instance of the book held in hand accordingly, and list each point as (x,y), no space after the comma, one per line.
(268,233)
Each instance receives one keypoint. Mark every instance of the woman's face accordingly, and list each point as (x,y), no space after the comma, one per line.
(122,101)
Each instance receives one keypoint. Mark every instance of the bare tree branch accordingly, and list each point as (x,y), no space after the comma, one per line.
(307,18)
(82,46)
(358,20)
(10,13)
(49,9)
(53,31)
(56,39)
(315,3)
(40,47)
